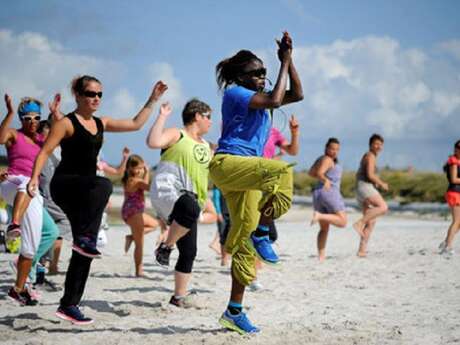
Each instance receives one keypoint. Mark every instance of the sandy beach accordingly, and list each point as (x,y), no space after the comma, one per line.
(403,293)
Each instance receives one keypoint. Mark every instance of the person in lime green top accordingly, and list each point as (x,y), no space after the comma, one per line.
(180,185)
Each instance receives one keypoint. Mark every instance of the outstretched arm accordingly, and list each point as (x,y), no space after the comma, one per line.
(134,124)
(159,137)
(7,134)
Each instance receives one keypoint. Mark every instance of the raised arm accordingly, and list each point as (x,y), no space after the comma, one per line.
(134,124)
(120,170)
(55,108)
(60,130)
(159,137)
(274,99)
(371,175)
(295,93)
(292,148)
(7,134)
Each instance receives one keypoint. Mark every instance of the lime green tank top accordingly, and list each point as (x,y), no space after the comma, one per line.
(186,162)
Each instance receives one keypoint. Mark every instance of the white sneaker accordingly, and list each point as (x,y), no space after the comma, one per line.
(255,286)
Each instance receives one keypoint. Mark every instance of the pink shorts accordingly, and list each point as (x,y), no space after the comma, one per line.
(452,198)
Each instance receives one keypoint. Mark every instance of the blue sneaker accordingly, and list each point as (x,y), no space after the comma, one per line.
(74,315)
(239,323)
(264,249)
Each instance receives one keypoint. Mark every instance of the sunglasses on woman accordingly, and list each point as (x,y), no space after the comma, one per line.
(258,73)
(92,94)
(30,118)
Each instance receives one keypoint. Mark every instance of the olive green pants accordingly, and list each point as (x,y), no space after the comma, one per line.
(247,184)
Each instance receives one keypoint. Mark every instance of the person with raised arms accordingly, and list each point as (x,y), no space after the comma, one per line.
(257,190)
(75,187)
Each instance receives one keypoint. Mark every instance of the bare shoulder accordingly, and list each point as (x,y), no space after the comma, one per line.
(105,120)
(326,161)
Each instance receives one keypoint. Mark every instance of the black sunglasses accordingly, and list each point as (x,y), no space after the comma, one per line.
(260,72)
(92,94)
(30,118)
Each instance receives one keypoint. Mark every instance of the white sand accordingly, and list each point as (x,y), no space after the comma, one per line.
(403,293)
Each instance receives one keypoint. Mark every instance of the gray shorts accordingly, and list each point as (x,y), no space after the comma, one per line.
(328,201)
(365,190)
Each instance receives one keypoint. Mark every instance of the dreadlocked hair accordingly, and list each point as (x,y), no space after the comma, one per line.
(228,69)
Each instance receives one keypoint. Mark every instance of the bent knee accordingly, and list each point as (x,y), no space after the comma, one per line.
(384,207)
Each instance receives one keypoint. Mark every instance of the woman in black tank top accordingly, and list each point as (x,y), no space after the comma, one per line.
(75,187)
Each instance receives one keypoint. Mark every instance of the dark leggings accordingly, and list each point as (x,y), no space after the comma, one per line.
(186,212)
(83,200)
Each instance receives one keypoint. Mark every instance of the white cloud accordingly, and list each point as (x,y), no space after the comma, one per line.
(165,72)
(372,84)
(33,65)
(123,104)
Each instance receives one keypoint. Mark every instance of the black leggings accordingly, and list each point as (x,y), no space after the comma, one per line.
(186,212)
(83,200)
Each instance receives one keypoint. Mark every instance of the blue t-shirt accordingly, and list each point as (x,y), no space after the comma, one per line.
(244,130)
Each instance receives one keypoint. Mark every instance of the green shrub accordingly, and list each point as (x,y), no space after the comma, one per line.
(405,186)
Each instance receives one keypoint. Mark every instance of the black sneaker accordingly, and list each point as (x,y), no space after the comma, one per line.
(162,255)
(22,297)
(84,246)
(13,230)
(73,314)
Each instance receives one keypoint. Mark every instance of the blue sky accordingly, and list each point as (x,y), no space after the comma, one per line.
(391,67)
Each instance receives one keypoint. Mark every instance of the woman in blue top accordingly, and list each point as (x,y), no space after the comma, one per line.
(256,190)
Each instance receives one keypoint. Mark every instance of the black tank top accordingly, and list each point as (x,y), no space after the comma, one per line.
(454,187)
(79,152)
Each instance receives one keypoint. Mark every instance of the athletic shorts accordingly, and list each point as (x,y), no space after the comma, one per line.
(31,224)
(452,198)
(365,190)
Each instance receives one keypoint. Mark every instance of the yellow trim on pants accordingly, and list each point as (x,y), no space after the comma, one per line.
(247,183)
